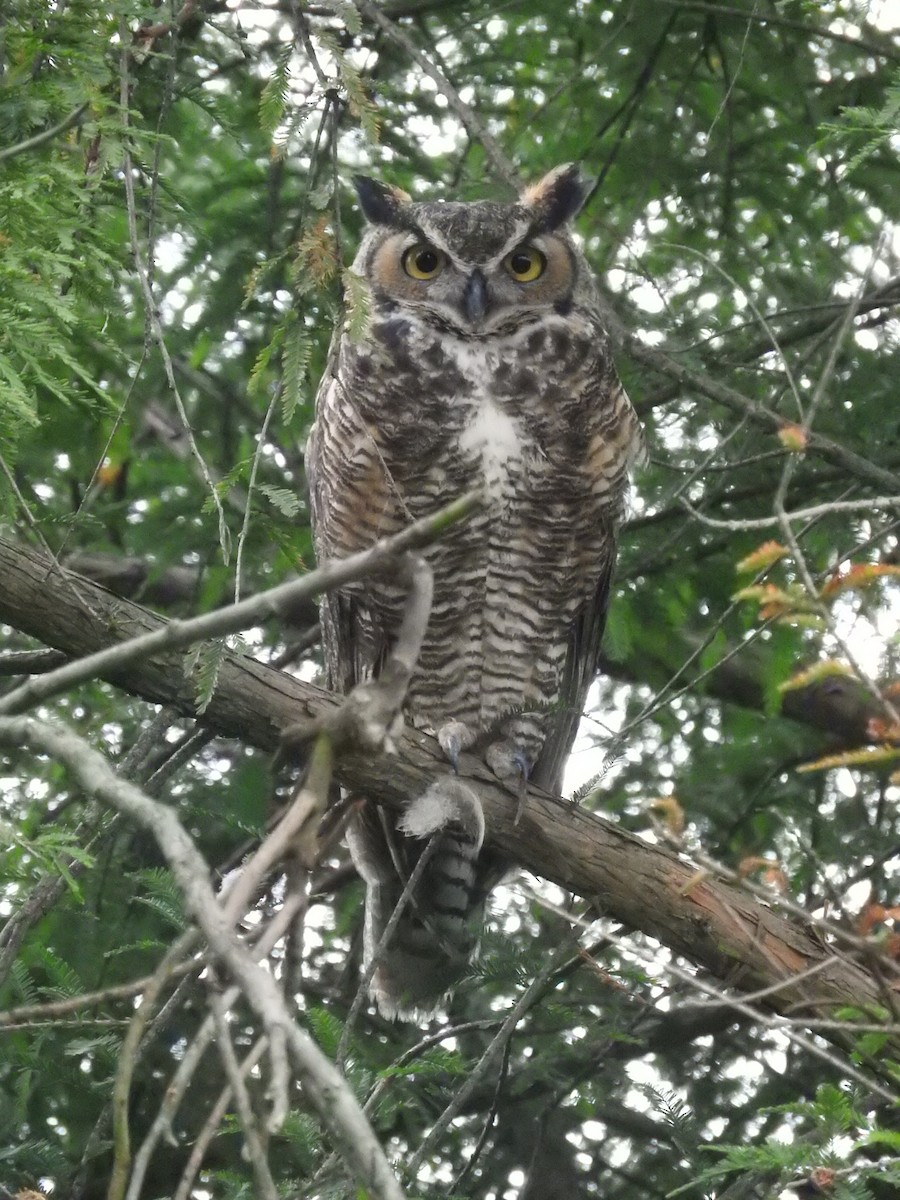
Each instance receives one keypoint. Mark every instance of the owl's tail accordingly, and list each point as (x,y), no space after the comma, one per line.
(438,930)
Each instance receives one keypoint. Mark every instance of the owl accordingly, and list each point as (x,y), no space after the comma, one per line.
(485,365)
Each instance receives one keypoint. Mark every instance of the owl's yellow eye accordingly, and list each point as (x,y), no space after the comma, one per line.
(525,264)
(423,261)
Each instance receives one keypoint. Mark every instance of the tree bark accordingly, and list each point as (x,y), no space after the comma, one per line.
(745,943)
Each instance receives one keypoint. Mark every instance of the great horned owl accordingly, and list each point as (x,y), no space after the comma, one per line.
(485,364)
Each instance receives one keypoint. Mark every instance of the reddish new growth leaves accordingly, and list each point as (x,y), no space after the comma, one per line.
(794,605)
(875,915)
(788,606)
(760,558)
(858,576)
(793,437)
(767,871)
(792,599)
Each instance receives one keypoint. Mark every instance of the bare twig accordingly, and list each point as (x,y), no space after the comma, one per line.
(151,313)
(737,402)
(128,1060)
(408,1056)
(212,1123)
(324,1086)
(265,1184)
(190,1060)
(298,825)
(776,20)
(33,525)
(251,485)
(371,716)
(489,1119)
(735,1003)
(871,504)
(270,603)
(485,1064)
(710,264)
(59,1008)
(383,943)
(780,497)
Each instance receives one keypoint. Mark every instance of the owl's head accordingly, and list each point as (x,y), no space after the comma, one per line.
(475,269)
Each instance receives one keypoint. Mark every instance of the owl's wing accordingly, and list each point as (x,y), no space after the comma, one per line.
(347,485)
(581,666)
(586,633)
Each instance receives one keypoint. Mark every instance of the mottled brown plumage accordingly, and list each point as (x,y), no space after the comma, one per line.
(485,364)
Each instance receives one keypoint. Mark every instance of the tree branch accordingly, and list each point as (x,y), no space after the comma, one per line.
(838,705)
(46,135)
(882,49)
(715,925)
(274,602)
(737,402)
(322,1083)
(503,166)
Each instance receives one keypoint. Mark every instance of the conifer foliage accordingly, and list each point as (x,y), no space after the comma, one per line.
(693,988)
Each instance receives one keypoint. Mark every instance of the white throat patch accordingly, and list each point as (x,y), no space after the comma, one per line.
(493,436)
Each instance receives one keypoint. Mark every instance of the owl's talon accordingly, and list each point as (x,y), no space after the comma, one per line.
(520,758)
(521,797)
(454,737)
(452,749)
(510,763)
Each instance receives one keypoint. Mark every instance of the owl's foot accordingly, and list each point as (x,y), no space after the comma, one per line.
(454,737)
(510,763)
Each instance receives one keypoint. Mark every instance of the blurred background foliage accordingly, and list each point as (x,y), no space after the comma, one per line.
(175,219)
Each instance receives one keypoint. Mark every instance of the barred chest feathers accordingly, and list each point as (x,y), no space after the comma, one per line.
(513,414)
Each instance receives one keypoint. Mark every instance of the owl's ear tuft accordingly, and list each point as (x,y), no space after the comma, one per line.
(381,203)
(557,197)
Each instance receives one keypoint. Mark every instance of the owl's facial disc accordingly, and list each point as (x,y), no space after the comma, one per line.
(476,285)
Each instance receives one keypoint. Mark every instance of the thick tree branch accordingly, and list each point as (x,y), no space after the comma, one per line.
(720,927)
(137,579)
(838,706)
(274,602)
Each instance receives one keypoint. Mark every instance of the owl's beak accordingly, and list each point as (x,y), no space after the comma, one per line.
(475,297)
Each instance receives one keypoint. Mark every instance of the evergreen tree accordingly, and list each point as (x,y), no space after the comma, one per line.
(693,989)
